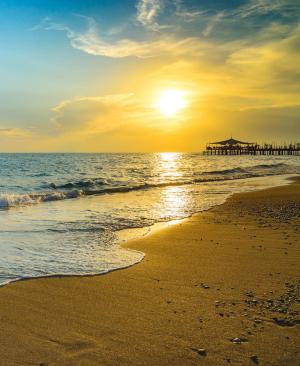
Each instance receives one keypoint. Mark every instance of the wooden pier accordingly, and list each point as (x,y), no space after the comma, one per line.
(236,147)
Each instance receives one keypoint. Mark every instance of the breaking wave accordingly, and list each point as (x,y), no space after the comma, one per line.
(17,199)
(98,186)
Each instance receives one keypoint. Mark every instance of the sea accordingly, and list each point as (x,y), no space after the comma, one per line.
(66,214)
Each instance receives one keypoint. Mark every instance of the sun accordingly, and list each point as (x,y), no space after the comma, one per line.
(171,101)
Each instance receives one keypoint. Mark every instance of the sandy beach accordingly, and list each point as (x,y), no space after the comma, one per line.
(219,288)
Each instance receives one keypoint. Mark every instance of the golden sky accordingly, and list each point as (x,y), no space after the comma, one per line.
(150,75)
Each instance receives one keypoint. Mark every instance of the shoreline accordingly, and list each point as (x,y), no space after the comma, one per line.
(124,236)
(287,180)
(69,195)
(166,308)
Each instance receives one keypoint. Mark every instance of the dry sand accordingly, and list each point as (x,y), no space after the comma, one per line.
(231,272)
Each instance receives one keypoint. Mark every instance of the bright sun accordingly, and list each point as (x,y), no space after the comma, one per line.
(171,101)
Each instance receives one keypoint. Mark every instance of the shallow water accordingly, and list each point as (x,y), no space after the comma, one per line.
(61,212)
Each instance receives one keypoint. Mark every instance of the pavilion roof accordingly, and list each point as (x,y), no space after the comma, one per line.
(231,141)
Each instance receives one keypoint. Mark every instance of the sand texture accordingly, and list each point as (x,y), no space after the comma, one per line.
(220,288)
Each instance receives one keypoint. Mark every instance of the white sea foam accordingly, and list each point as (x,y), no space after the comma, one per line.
(8,200)
(111,192)
(98,186)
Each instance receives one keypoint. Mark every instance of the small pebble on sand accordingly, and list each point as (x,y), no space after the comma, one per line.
(254,359)
(200,351)
(238,340)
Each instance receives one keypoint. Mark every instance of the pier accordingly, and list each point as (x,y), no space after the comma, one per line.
(236,147)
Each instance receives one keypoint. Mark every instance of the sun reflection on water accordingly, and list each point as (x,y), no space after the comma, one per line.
(169,165)
(174,199)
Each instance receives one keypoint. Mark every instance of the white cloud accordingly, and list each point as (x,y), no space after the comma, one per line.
(92,43)
(235,21)
(147,11)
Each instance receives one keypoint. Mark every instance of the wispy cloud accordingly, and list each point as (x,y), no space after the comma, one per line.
(147,12)
(105,114)
(187,14)
(93,114)
(175,40)
(249,13)
(92,43)
(261,7)
(270,53)
(212,22)
(14,132)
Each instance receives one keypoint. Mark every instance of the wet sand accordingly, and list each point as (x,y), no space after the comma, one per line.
(220,288)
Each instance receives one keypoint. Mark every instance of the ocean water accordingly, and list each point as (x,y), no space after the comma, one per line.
(62,213)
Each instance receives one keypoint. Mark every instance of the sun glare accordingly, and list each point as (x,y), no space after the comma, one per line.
(171,101)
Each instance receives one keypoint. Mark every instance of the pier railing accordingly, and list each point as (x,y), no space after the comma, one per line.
(252,149)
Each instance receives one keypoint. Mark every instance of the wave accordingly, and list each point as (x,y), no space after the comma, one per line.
(249,169)
(80,184)
(268,166)
(14,199)
(226,171)
(99,186)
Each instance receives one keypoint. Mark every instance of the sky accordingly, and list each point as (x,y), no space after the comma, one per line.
(147,75)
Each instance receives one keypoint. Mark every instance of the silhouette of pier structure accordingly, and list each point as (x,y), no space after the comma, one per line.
(236,147)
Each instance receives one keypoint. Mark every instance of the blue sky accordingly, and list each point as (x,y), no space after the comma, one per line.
(56,55)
